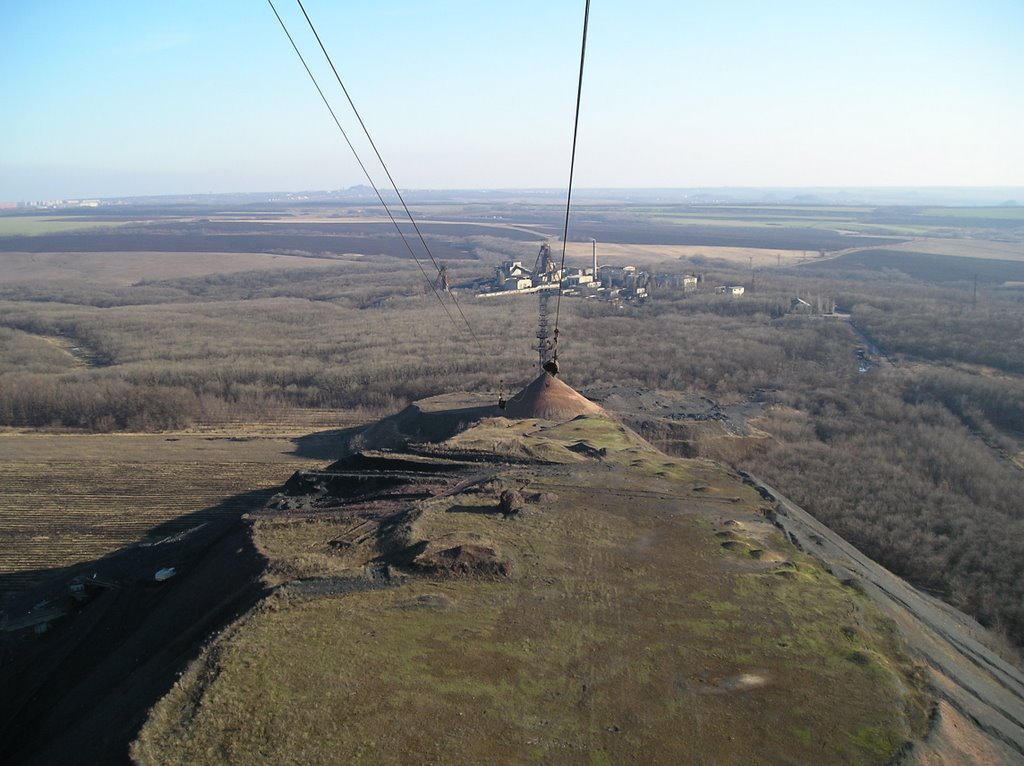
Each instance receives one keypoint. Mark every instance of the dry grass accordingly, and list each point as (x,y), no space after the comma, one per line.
(652,615)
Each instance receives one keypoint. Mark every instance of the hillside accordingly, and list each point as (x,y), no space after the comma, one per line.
(460,586)
(555,592)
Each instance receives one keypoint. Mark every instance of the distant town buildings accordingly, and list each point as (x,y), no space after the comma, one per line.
(799,306)
(626,283)
(730,289)
(813,305)
(55,203)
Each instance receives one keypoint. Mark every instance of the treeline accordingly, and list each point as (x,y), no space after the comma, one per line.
(909,484)
(371,345)
(95,405)
(986,403)
(252,356)
(344,280)
(991,334)
(730,356)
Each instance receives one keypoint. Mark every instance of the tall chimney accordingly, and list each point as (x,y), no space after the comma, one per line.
(594,243)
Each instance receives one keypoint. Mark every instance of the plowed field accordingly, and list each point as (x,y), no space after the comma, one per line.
(69,498)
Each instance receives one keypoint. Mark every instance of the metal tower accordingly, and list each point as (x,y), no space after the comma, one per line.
(544,344)
(442,282)
(543,274)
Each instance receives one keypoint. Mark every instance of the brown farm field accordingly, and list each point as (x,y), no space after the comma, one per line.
(125,269)
(965,248)
(31,225)
(662,256)
(68,498)
(930,267)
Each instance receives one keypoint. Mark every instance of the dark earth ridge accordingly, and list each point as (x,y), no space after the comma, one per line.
(79,692)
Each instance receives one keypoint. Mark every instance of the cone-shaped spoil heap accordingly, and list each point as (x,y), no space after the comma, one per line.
(549,398)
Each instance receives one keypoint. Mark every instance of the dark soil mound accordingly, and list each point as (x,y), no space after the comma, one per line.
(79,692)
(474,559)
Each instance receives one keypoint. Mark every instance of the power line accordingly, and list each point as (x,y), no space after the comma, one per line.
(359,160)
(366,173)
(383,165)
(572,165)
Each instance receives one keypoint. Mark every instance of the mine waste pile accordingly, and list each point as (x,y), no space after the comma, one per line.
(538,584)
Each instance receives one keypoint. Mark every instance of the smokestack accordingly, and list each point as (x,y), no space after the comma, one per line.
(593,242)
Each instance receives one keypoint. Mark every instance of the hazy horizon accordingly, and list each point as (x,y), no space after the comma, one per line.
(991,196)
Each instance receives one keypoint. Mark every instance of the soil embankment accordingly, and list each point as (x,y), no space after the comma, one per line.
(78,692)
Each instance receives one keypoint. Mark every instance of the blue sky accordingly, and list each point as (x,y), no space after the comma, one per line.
(128,98)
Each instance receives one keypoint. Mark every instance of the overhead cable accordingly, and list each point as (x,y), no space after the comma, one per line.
(362,166)
(572,165)
(383,165)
